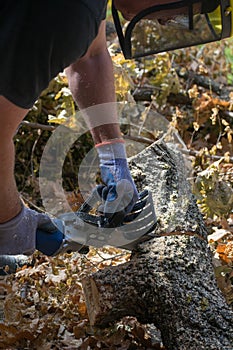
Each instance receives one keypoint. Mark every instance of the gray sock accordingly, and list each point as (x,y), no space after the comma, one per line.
(18,235)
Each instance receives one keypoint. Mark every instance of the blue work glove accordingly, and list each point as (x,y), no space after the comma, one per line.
(19,235)
(118,192)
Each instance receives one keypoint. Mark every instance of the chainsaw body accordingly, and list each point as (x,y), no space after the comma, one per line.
(86,229)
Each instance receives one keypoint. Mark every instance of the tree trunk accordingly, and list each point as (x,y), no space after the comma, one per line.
(169,280)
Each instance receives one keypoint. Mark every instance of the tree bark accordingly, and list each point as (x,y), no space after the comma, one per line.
(169,280)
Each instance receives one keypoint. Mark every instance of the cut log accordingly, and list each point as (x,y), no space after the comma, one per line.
(169,280)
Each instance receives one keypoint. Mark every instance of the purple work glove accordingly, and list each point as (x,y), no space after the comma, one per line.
(118,192)
(19,235)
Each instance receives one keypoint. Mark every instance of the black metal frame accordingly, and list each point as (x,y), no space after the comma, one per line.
(125,40)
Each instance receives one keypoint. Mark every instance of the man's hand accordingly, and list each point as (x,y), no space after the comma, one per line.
(118,192)
(19,235)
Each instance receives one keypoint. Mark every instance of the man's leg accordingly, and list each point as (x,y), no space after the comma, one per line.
(10,118)
(21,229)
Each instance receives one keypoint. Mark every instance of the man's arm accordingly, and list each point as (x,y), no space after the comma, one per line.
(91,81)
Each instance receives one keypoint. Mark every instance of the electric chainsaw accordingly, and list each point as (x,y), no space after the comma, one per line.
(76,231)
(84,228)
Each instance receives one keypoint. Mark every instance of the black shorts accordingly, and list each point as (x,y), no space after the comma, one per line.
(38,39)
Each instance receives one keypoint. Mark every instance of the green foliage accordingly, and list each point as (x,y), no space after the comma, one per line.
(229,56)
(162,76)
(214,191)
